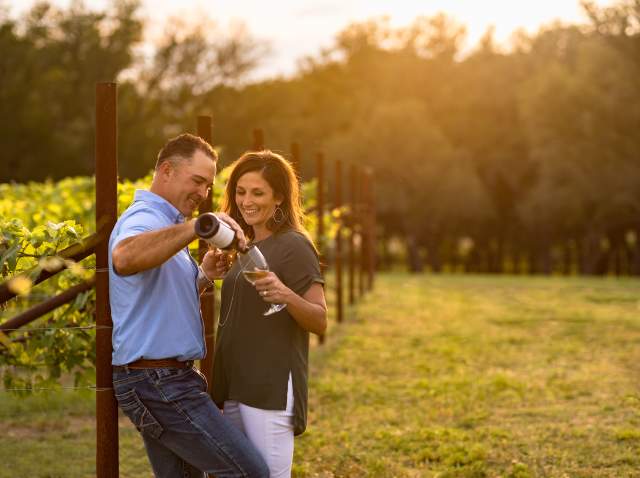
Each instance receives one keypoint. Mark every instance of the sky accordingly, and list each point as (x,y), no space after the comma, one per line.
(297,28)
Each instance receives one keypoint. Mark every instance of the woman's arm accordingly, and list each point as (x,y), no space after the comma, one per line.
(309,310)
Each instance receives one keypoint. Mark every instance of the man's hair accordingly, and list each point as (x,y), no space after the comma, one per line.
(182,147)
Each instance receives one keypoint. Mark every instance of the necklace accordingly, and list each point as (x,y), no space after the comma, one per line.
(233,294)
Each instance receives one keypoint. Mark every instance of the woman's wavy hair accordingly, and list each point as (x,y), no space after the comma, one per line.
(282,178)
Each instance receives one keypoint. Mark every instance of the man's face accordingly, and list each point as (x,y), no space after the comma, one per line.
(189,182)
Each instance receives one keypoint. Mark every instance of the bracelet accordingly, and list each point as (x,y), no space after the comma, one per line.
(203,275)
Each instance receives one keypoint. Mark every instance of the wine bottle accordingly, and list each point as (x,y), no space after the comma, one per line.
(216,232)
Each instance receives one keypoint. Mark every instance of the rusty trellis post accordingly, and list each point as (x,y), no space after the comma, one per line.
(320,213)
(258,139)
(320,201)
(338,242)
(106,214)
(364,232)
(353,221)
(372,248)
(207,299)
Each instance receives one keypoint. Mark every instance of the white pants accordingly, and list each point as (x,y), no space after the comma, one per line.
(271,432)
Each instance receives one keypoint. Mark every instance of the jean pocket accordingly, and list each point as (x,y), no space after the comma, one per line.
(202,377)
(139,414)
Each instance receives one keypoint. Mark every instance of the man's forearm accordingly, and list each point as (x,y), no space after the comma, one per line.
(151,249)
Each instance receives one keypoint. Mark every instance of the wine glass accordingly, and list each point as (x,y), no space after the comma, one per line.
(254,266)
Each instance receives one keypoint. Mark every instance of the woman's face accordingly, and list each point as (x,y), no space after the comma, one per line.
(255,199)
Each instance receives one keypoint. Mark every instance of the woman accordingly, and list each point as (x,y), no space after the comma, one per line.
(261,363)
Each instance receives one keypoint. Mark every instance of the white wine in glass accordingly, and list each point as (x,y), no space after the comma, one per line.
(253,276)
(254,266)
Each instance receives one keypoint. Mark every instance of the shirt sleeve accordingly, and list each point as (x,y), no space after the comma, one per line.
(143,220)
(300,266)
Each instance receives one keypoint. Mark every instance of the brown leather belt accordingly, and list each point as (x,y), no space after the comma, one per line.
(160,363)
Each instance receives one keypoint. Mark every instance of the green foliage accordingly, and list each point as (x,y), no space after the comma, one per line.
(529,150)
(53,58)
(37,221)
(42,356)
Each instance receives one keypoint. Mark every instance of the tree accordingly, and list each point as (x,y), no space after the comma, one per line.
(51,61)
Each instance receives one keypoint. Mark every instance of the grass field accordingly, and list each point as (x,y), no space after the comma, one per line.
(442,376)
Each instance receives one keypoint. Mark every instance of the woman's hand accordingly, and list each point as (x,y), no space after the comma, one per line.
(272,290)
(308,310)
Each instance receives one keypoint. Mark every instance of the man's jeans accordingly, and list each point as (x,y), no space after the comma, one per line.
(184,432)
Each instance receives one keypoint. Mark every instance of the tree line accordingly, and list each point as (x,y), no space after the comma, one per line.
(489,160)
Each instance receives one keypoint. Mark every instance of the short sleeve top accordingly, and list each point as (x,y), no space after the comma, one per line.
(156,312)
(255,354)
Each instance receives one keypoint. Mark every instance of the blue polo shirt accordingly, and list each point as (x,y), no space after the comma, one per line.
(156,313)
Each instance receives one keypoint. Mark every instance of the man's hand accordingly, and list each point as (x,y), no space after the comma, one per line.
(215,264)
(242,240)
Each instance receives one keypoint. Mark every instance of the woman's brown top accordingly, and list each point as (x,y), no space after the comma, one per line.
(255,354)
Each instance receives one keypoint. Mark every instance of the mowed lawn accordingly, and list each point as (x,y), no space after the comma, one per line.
(434,376)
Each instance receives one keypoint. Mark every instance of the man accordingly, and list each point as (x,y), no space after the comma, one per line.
(157,328)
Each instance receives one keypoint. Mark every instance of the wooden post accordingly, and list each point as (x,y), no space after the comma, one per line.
(106,214)
(353,221)
(371,225)
(258,140)
(338,268)
(320,201)
(320,214)
(362,221)
(207,299)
